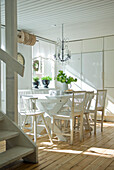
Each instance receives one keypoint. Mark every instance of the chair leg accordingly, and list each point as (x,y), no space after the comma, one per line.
(71,130)
(95,119)
(52,126)
(35,128)
(81,128)
(23,124)
(88,124)
(47,129)
(74,122)
(78,123)
(102,118)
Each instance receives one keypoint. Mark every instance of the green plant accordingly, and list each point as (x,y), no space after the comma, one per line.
(47,78)
(62,77)
(35,79)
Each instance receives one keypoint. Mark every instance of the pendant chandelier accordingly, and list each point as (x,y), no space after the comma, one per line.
(62,52)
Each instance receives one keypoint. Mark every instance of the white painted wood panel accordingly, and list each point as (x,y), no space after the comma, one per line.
(74,69)
(92,70)
(109,43)
(92,45)
(75,47)
(110,94)
(109,69)
(109,111)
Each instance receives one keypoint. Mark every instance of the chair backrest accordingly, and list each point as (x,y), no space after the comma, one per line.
(88,100)
(29,104)
(78,102)
(100,99)
(20,100)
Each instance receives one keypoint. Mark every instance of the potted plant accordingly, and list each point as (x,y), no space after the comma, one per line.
(46,80)
(36,82)
(62,77)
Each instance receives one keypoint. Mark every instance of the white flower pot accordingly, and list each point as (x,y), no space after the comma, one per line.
(64,86)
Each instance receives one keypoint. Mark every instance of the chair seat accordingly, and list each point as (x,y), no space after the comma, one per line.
(32,113)
(100,108)
(67,114)
(64,117)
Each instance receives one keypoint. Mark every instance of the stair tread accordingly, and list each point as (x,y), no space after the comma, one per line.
(1,118)
(4,135)
(14,154)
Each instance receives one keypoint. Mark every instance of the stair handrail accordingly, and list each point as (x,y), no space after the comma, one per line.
(12,62)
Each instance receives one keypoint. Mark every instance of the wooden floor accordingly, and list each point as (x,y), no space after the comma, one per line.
(95,152)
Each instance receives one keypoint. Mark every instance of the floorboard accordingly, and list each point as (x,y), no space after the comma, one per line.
(96,152)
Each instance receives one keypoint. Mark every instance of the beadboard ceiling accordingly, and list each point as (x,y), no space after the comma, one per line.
(41,16)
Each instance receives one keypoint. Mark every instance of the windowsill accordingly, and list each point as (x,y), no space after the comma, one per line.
(42,88)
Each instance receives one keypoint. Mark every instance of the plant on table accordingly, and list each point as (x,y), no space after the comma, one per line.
(63,78)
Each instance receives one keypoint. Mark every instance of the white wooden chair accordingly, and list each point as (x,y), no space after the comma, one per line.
(22,118)
(88,100)
(77,109)
(31,110)
(99,106)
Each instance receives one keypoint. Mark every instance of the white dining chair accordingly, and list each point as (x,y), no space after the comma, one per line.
(31,110)
(77,109)
(88,100)
(100,99)
(22,118)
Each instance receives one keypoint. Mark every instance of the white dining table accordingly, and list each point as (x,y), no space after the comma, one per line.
(51,104)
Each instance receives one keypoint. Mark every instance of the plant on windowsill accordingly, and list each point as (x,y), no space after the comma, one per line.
(46,81)
(62,77)
(36,82)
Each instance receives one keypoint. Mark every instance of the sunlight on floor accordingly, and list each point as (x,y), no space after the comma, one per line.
(47,144)
(63,151)
(108,124)
(102,152)
(93,151)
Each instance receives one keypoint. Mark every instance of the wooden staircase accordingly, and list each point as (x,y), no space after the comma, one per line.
(18,145)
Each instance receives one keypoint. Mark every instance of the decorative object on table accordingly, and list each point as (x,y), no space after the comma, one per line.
(36,82)
(36,65)
(46,81)
(20,58)
(55,92)
(69,91)
(62,77)
(62,52)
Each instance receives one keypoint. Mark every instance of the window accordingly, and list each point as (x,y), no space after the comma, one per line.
(43,62)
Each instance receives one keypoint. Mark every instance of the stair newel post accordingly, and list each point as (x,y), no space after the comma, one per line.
(0,60)
(11,49)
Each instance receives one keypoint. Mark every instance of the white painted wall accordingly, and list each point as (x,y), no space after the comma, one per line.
(89,59)
(26,81)
(45,50)
(109,76)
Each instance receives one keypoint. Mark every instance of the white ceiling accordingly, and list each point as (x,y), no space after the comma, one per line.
(39,16)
